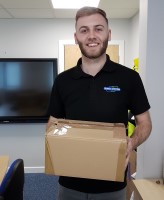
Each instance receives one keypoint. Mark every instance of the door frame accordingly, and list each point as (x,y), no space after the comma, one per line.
(62,43)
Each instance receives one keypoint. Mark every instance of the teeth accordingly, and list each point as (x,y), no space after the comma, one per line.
(92,45)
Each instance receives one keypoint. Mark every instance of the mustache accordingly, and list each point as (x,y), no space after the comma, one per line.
(92,40)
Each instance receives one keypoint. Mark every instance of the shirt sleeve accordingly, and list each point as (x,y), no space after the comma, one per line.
(139,101)
(56,107)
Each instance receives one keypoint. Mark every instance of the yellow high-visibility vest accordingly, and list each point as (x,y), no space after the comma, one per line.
(131,126)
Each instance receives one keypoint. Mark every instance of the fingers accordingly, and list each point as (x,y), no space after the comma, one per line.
(127,160)
(128,151)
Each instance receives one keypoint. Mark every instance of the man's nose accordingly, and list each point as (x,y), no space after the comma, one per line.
(92,34)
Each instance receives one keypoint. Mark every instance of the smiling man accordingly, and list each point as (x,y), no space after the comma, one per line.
(98,89)
(92,36)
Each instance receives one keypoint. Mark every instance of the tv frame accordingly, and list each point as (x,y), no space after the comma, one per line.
(29,119)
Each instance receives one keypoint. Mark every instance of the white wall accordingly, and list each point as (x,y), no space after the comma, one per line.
(39,38)
(33,37)
(127,30)
(134,38)
(151,154)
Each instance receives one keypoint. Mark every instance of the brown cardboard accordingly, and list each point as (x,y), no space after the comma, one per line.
(88,150)
(4,161)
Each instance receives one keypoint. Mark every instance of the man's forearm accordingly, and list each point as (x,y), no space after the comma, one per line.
(141,133)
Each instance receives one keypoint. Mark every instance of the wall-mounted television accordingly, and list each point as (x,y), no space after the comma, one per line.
(25,88)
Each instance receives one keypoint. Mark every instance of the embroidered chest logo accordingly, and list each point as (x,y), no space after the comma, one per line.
(112,89)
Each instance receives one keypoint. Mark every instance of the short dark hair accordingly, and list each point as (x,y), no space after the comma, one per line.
(86,11)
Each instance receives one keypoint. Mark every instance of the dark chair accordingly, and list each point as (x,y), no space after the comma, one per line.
(12,185)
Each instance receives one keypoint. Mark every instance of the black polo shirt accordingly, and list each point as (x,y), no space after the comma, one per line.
(106,97)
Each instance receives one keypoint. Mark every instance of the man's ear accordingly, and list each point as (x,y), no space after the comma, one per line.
(75,37)
(109,35)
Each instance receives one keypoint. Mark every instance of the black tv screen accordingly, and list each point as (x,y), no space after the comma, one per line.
(25,88)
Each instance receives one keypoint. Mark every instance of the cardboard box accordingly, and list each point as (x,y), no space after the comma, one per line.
(85,149)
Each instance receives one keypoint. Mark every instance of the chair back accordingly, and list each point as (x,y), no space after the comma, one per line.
(12,185)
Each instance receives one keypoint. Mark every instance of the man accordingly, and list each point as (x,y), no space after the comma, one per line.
(98,89)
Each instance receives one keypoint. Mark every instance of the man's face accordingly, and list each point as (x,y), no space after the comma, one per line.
(92,35)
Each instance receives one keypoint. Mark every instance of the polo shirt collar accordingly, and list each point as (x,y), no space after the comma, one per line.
(109,66)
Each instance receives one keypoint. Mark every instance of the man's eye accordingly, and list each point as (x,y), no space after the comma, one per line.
(83,31)
(99,29)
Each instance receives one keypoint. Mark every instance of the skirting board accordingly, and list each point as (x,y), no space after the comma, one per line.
(39,169)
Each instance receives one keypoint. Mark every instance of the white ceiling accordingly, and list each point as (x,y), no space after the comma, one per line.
(43,9)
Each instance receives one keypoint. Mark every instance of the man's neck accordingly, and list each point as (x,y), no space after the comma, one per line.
(93,66)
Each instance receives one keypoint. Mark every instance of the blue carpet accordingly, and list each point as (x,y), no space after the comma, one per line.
(39,186)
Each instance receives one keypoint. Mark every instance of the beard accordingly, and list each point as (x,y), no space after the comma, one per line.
(96,54)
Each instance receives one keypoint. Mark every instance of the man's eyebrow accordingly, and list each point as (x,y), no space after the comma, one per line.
(97,25)
(83,27)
